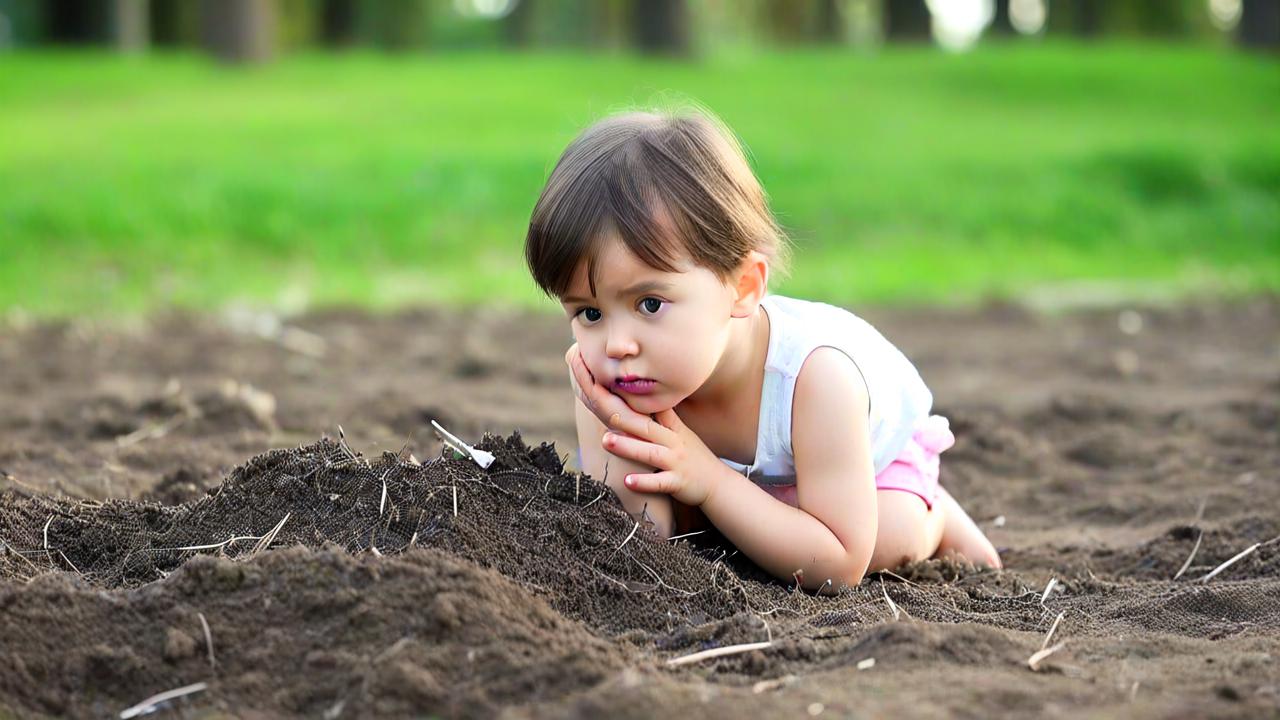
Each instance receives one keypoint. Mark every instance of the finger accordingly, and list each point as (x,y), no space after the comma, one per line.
(605,405)
(584,382)
(643,452)
(641,426)
(663,482)
(669,420)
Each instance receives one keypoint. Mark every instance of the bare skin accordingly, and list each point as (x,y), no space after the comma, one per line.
(706,340)
(907,530)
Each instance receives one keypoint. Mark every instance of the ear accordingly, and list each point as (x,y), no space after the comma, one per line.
(749,282)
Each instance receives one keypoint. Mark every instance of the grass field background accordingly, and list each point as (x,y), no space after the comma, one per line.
(910,176)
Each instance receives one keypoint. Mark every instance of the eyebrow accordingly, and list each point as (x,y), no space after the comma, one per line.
(635,289)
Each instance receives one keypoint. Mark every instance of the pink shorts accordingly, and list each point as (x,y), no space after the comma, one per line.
(915,471)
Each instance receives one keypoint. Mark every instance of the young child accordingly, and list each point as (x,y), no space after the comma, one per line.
(794,427)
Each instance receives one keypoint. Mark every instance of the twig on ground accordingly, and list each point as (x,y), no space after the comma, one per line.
(67,560)
(866,664)
(624,542)
(689,534)
(893,574)
(717,652)
(1034,661)
(1053,582)
(267,539)
(208,639)
(892,606)
(663,583)
(7,548)
(1200,511)
(774,684)
(1190,557)
(1238,557)
(47,523)
(1052,627)
(342,443)
(151,432)
(394,648)
(152,703)
(382,504)
(455,501)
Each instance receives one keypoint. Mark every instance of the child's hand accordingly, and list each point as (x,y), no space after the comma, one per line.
(594,396)
(686,466)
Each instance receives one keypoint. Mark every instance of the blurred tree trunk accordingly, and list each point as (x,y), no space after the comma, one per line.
(1001,22)
(517,26)
(1082,18)
(1260,24)
(76,22)
(787,21)
(608,26)
(661,27)
(238,30)
(338,23)
(173,22)
(796,22)
(398,25)
(907,21)
(830,26)
(130,29)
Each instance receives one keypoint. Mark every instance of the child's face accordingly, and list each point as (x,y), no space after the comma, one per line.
(670,328)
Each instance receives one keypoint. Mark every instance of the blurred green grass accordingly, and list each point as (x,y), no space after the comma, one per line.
(911,176)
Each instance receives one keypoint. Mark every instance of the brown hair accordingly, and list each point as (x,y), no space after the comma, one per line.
(662,182)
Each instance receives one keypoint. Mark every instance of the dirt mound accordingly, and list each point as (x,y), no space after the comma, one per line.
(524,539)
(421,633)
(1101,461)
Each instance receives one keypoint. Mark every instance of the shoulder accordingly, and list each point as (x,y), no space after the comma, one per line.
(829,387)
(831,439)
(830,414)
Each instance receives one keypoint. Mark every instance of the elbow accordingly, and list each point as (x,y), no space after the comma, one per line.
(852,570)
(849,573)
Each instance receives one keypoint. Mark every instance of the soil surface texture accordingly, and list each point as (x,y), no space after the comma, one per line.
(180,511)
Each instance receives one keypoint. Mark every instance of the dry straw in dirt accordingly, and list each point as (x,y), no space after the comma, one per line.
(565,537)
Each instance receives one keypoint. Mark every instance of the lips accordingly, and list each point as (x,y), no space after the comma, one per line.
(634,385)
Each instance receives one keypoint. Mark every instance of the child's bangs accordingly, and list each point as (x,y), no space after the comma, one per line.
(617,204)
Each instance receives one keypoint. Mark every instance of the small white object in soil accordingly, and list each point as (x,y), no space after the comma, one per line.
(480,457)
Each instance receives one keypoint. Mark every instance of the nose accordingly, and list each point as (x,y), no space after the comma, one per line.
(619,343)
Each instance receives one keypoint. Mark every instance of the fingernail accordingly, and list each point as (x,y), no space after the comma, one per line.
(629,480)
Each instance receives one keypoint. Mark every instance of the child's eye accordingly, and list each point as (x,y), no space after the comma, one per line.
(651,305)
(589,314)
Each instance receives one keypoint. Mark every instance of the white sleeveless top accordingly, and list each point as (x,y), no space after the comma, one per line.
(899,397)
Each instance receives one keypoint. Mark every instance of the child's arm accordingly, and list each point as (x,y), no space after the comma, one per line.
(833,531)
(607,468)
(611,469)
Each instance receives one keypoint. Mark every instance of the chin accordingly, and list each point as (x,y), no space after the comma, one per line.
(648,404)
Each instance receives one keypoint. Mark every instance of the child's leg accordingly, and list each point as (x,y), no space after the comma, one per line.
(907,530)
(961,535)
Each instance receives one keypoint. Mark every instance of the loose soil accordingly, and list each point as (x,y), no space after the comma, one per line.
(178,506)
